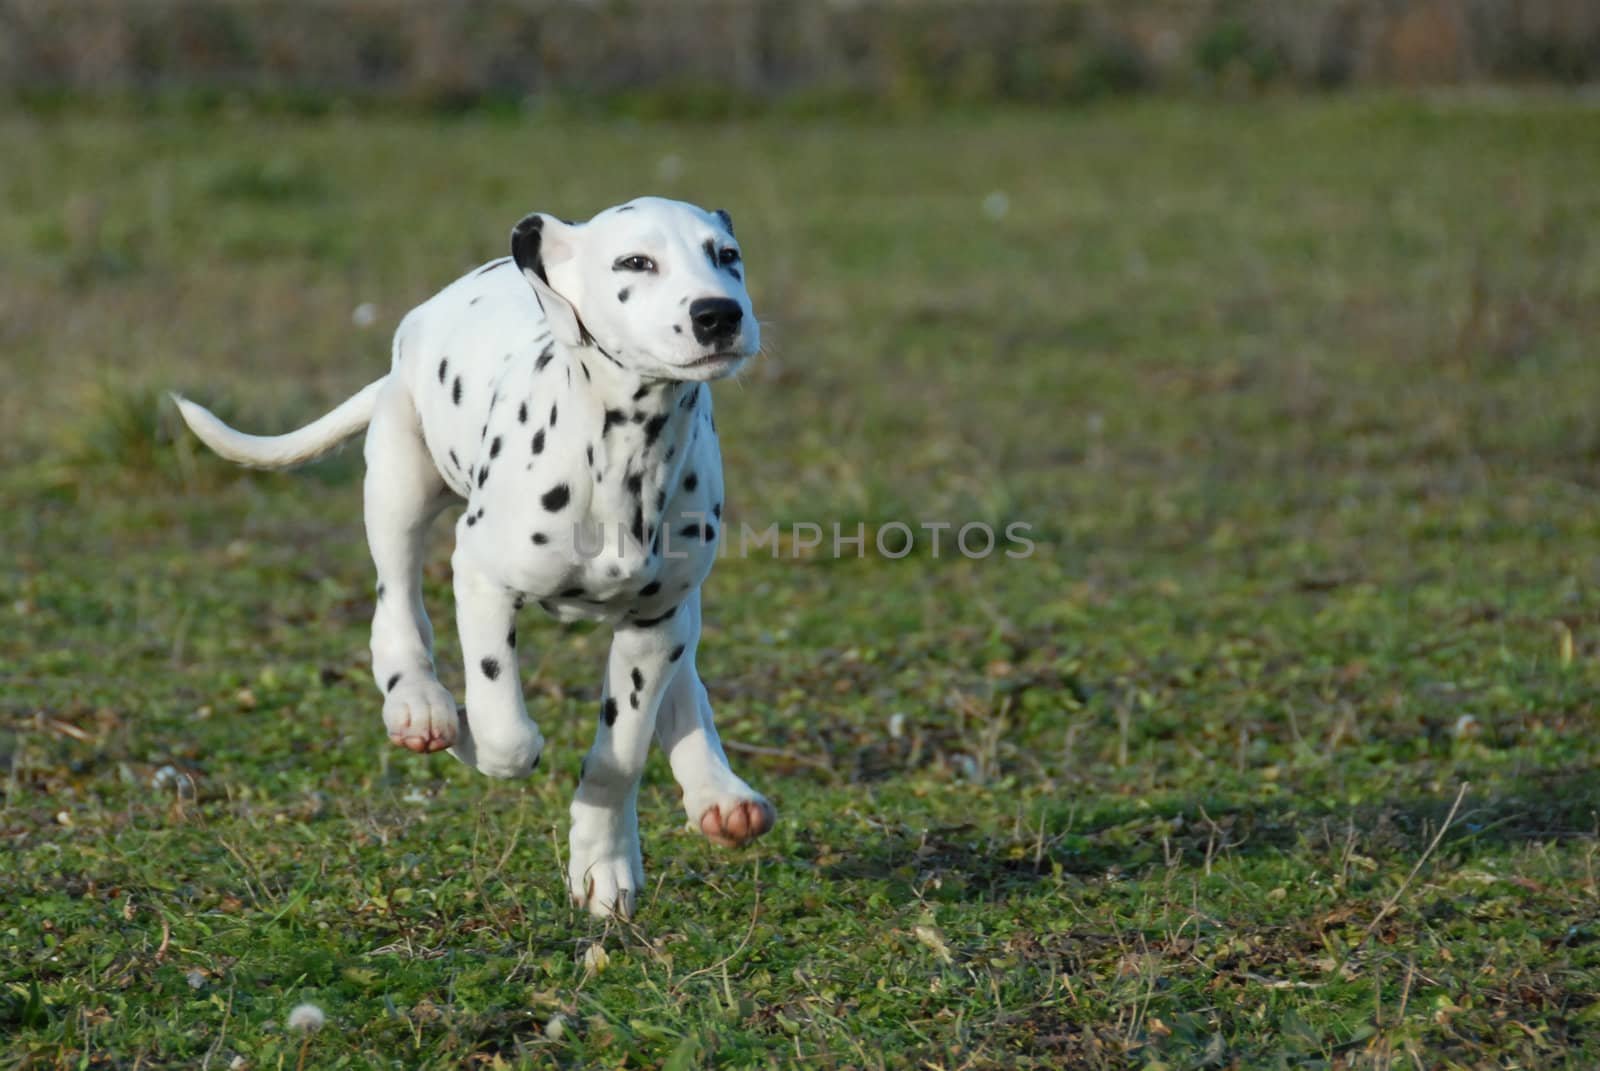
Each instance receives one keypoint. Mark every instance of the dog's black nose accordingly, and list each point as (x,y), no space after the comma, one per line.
(715,319)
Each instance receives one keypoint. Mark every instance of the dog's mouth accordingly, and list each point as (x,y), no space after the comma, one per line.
(714,365)
(711,360)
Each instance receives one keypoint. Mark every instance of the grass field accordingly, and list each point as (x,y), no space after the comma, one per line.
(1280,751)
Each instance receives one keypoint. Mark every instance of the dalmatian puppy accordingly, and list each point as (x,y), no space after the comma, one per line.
(563,393)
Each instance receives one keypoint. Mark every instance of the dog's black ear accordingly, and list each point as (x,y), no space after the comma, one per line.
(527,244)
(537,242)
(727,220)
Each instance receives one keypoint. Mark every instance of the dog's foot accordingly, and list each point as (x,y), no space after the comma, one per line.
(420,716)
(508,747)
(728,811)
(734,822)
(608,888)
(606,871)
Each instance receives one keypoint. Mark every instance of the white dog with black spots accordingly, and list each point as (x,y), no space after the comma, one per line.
(562,393)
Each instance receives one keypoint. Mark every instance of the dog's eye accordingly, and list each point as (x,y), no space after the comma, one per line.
(728,256)
(636,262)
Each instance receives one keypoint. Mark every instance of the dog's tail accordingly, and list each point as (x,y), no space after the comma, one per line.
(283,451)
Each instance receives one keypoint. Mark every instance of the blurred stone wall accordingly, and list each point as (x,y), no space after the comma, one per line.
(716,51)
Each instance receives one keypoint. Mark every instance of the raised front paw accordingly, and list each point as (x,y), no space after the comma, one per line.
(507,746)
(733,821)
(420,715)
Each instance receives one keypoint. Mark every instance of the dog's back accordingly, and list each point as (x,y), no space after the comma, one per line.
(452,351)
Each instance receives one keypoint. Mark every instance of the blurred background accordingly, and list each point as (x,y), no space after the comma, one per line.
(717,57)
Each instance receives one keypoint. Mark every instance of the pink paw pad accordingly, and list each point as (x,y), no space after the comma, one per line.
(739,824)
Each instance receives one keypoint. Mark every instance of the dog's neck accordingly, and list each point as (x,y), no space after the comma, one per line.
(645,430)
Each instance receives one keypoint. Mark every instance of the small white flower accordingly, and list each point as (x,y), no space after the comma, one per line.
(997,205)
(307,1017)
(195,979)
(556,1027)
(897,725)
(595,958)
(365,314)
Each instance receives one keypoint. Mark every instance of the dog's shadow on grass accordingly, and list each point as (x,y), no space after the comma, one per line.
(1127,840)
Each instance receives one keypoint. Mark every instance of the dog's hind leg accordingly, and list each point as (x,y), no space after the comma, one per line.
(403,492)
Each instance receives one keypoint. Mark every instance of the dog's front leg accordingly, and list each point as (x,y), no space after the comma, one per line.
(496,736)
(606,870)
(718,801)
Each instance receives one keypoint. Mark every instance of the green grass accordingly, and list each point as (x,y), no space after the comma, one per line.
(1300,397)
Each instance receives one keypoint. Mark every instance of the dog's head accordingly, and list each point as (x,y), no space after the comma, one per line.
(656,285)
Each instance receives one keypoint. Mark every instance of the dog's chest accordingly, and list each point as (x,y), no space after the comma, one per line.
(599,500)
